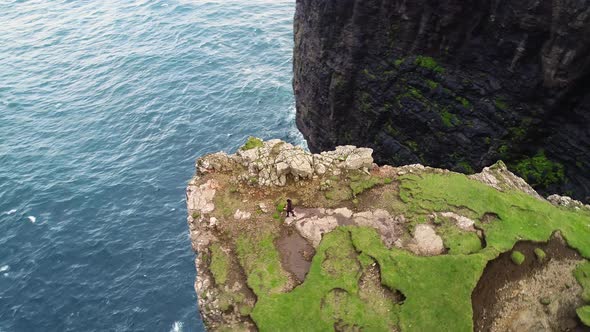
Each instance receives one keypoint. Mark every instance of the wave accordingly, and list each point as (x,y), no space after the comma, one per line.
(176,327)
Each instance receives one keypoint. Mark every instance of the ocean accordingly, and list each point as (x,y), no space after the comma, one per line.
(104,107)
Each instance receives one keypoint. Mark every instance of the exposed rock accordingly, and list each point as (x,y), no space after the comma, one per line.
(242,215)
(200,198)
(275,161)
(499,177)
(462,222)
(263,207)
(426,241)
(567,202)
(453,84)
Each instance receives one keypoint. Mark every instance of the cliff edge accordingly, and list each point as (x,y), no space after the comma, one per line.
(451,84)
(384,248)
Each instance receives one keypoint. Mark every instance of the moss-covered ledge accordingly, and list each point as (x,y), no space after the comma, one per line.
(373,248)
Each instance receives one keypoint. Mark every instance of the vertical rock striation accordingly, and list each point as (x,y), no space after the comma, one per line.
(454,84)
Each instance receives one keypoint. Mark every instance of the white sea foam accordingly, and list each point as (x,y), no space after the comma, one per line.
(176,327)
(13,211)
(32,219)
(4,268)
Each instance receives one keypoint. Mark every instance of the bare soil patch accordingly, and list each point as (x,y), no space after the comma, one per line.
(295,252)
(534,296)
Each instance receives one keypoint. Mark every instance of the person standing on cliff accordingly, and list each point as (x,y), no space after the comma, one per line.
(289,208)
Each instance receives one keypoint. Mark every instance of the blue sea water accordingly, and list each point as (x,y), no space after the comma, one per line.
(104,106)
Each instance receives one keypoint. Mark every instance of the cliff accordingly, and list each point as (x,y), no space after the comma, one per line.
(382,248)
(451,84)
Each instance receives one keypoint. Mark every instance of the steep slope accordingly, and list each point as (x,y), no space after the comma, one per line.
(452,84)
(407,248)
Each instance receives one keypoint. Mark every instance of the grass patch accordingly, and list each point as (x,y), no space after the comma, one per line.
(582,274)
(437,289)
(540,254)
(584,314)
(330,294)
(252,143)
(517,257)
(461,243)
(219,266)
(364,184)
(521,216)
(260,259)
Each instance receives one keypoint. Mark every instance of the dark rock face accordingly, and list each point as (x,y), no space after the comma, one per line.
(450,83)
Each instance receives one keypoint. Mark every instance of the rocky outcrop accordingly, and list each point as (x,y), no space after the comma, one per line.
(452,84)
(425,234)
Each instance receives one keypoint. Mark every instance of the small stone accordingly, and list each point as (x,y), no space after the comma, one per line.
(263,207)
(242,215)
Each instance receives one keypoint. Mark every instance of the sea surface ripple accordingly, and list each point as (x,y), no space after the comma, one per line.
(104,106)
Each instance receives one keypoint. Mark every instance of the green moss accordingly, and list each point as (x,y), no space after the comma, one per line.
(459,242)
(517,133)
(463,102)
(465,167)
(540,254)
(449,119)
(361,183)
(539,170)
(582,274)
(584,314)
(522,216)
(260,259)
(399,62)
(432,84)
(389,129)
(517,257)
(196,215)
(501,104)
(412,145)
(365,102)
(245,309)
(251,143)
(219,266)
(429,63)
(330,294)
(368,74)
(437,289)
